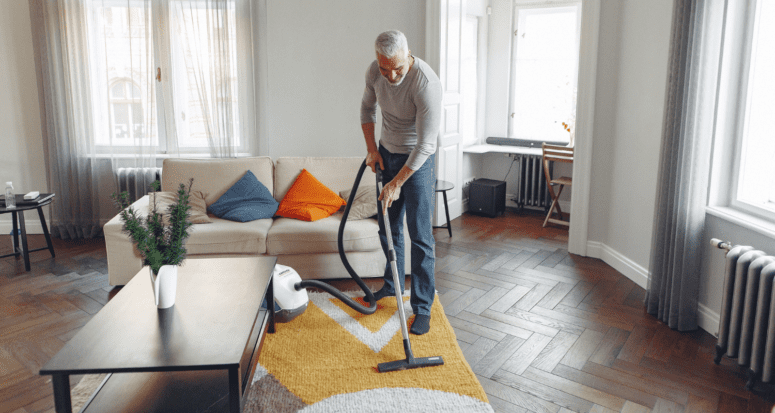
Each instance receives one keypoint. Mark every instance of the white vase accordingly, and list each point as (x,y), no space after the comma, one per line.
(164,285)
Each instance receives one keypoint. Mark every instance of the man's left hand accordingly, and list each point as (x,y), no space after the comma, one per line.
(390,193)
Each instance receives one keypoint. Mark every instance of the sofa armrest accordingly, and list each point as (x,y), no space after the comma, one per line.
(124,260)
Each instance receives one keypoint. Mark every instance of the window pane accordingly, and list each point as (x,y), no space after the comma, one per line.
(545,66)
(117,91)
(204,44)
(121,55)
(121,121)
(136,92)
(756,185)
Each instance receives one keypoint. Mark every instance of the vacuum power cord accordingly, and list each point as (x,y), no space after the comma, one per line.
(329,288)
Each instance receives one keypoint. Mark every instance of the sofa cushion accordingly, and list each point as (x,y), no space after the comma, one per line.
(336,173)
(229,237)
(309,200)
(213,176)
(365,203)
(196,200)
(291,236)
(246,200)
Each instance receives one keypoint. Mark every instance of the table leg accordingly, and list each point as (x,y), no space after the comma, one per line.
(270,303)
(234,390)
(62,393)
(25,249)
(446,209)
(15,233)
(45,231)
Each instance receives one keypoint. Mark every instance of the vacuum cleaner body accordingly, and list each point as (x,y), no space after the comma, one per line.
(289,302)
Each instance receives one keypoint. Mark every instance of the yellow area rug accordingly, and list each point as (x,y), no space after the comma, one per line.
(326,360)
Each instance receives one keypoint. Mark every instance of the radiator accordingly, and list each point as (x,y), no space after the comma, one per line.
(747,324)
(531,183)
(136,181)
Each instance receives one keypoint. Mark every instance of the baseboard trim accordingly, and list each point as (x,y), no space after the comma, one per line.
(619,262)
(707,319)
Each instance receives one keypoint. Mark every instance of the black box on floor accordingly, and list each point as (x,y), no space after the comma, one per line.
(487,197)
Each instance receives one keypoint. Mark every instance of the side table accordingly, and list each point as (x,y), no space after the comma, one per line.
(443,187)
(19,226)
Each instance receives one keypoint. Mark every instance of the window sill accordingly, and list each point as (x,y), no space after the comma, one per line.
(748,221)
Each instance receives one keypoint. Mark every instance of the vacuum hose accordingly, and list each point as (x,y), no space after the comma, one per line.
(327,287)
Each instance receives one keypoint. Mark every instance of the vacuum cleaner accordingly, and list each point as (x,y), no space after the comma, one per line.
(291,295)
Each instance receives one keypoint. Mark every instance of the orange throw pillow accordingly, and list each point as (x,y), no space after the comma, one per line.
(309,200)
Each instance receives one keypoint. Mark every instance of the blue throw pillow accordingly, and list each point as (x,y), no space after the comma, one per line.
(247,200)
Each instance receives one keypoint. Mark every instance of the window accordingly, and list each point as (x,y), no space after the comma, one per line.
(744,145)
(754,188)
(195,102)
(544,70)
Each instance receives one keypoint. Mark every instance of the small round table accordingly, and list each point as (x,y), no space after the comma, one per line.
(19,226)
(443,187)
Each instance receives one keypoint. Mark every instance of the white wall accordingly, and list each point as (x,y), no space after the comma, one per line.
(632,74)
(21,138)
(317,55)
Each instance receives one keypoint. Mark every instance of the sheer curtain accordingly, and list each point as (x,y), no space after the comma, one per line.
(129,82)
(68,122)
(682,183)
(219,95)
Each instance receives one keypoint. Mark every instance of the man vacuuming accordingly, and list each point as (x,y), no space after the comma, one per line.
(409,95)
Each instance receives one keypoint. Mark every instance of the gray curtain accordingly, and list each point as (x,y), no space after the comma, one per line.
(61,40)
(682,185)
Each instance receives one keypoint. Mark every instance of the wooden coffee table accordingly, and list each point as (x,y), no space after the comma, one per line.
(198,355)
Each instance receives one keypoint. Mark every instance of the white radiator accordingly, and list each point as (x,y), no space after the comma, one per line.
(531,183)
(136,181)
(747,324)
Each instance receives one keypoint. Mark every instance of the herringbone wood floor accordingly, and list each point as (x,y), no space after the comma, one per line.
(545,331)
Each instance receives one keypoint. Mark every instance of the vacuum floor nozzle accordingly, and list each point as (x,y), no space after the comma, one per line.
(407,364)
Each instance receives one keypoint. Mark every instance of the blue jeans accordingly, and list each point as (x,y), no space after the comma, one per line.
(416,200)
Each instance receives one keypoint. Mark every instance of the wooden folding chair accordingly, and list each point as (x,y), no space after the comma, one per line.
(556,153)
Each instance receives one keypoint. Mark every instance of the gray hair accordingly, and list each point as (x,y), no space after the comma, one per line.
(391,43)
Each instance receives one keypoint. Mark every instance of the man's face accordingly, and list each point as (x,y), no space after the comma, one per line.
(394,69)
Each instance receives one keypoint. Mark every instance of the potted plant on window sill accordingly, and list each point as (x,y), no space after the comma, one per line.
(161,246)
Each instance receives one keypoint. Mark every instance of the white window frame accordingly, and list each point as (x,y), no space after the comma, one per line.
(730,123)
(536,4)
(477,104)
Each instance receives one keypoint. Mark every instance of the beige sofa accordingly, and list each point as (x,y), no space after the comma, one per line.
(308,247)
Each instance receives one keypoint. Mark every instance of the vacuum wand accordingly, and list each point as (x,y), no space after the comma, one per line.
(411,362)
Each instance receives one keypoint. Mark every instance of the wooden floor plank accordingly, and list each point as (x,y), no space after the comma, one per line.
(495,358)
(551,355)
(582,349)
(510,298)
(577,389)
(542,391)
(526,353)
(517,397)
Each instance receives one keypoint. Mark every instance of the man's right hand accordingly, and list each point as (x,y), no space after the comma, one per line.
(372,158)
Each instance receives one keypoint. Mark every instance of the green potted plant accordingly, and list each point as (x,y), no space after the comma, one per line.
(161,246)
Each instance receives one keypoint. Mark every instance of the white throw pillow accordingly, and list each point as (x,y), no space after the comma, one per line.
(365,202)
